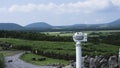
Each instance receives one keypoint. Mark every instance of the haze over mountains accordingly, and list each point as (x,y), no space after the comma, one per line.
(44,26)
(41,25)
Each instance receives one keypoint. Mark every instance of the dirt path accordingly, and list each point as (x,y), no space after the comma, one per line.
(17,63)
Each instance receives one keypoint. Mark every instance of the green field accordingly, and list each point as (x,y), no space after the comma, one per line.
(58,33)
(66,47)
(10,53)
(58,50)
(48,61)
(72,33)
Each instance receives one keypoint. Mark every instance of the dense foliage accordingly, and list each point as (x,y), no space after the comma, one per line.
(108,37)
(2,61)
(33,36)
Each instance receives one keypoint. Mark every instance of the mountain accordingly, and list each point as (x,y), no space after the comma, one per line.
(112,25)
(115,24)
(10,26)
(39,25)
(42,26)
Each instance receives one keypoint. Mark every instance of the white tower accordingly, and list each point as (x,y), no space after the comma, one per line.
(79,37)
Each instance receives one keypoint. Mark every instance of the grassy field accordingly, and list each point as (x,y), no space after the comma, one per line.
(9,53)
(39,44)
(48,61)
(71,33)
(0,48)
(59,33)
(67,49)
(54,51)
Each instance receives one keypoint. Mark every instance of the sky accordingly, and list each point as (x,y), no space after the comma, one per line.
(59,12)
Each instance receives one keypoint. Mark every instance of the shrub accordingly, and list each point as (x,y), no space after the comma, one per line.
(2,65)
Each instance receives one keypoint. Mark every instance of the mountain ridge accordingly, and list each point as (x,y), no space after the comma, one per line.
(10,26)
(43,25)
(39,25)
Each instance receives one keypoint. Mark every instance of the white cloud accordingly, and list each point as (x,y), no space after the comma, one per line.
(116,2)
(87,6)
(50,6)
(3,9)
(22,8)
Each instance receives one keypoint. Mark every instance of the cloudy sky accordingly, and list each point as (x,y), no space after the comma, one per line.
(59,12)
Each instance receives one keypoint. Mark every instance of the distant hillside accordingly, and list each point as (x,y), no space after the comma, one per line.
(39,25)
(10,26)
(112,25)
(42,26)
(116,22)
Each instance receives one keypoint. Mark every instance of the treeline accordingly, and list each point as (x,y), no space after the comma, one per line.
(100,37)
(113,38)
(33,36)
(2,65)
(109,38)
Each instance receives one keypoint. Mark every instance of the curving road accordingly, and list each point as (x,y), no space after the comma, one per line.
(17,63)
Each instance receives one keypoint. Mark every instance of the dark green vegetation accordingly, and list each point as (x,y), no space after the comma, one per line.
(108,38)
(94,37)
(2,65)
(49,61)
(61,50)
(62,47)
(33,36)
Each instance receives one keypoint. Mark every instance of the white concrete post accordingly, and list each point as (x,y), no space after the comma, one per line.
(78,55)
(78,37)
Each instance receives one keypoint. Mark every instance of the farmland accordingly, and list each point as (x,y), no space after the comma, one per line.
(62,47)
(61,50)
(70,33)
(10,52)
(49,61)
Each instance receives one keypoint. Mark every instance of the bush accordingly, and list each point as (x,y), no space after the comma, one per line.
(2,65)
(42,59)
(0,48)
(34,59)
